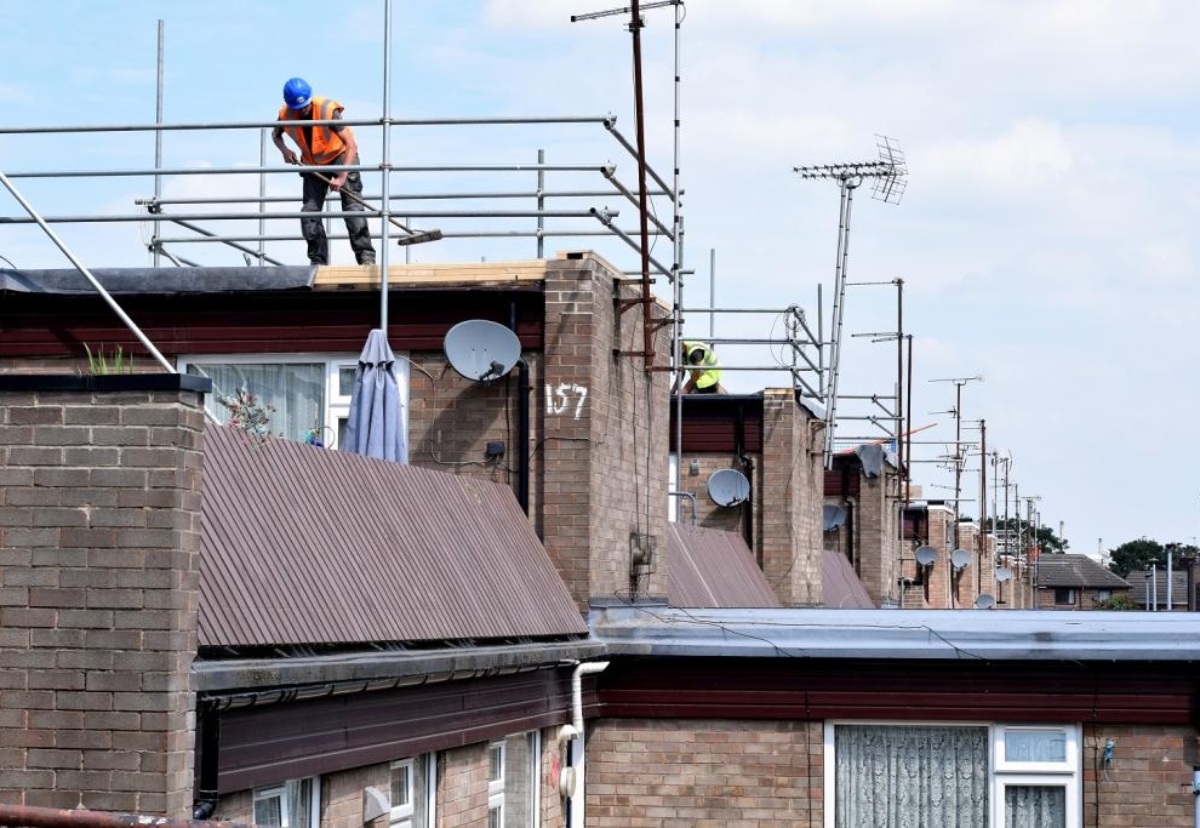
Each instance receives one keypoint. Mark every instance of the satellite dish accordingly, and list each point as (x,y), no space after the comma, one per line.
(728,487)
(1003,573)
(926,556)
(985,601)
(959,558)
(481,350)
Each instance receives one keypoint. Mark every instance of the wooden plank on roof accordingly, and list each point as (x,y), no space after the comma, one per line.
(444,273)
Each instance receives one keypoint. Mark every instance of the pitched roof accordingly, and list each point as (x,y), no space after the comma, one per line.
(840,584)
(1143,593)
(711,568)
(1077,571)
(301,545)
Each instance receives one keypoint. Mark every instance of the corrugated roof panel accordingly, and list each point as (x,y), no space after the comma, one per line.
(302,545)
(840,584)
(710,568)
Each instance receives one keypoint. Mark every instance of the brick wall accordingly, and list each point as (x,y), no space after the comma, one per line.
(99,542)
(709,514)
(1085,599)
(792,501)
(1148,784)
(342,795)
(605,439)
(682,772)
(451,420)
(462,798)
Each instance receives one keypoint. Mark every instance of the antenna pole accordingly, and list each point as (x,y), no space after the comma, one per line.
(908,435)
(958,456)
(385,163)
(635,29)
(835,323)
(900,370)
(158,119)
(982,538)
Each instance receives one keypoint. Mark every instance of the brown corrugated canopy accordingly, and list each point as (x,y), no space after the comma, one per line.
(302,545)
(840,584)
(710,568)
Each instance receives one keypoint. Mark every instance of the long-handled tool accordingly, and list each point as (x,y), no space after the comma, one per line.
(410,237)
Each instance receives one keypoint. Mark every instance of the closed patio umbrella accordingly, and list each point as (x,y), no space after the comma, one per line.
(375,425)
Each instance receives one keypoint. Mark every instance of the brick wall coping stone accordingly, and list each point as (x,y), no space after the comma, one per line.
(105,382)
(1007,635)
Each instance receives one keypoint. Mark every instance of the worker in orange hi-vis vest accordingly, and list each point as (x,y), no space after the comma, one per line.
(320,145)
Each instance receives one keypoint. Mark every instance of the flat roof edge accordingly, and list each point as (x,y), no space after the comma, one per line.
(217,677)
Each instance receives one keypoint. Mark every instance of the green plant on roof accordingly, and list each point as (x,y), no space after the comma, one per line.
(100,363)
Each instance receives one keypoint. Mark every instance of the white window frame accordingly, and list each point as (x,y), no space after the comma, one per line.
(496,785)
(280,792)
(337,405)
(1001,772)
(1001,763)
(1070,782)
(401,816)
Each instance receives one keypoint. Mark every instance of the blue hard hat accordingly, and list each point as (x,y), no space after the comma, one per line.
(297,93)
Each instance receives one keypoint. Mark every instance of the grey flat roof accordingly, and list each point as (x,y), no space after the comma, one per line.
(1001,635)
(159,280)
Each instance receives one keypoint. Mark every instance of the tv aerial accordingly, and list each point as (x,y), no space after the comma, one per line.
(1003,573)
(481,350)
(890,176)
(926,556)
(728,487)
(985,601)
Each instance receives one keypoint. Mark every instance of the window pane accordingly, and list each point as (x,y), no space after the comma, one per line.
(401,787)
(295,391)
(1035,806)
(268,812)
(300,813)
(1035,746)
(518,781)
(895,777)
(346,381)
(495,817)
(496,763)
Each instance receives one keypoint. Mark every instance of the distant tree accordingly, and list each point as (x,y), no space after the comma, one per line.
(1049,542)
(1141,553)
(1119,601)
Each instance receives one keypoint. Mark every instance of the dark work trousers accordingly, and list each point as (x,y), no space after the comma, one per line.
(315,191)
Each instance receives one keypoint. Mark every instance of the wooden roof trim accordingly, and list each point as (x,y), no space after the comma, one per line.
(424,274)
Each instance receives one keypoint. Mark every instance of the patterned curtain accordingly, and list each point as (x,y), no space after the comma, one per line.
(911,777)
(1035,806)
(296,392)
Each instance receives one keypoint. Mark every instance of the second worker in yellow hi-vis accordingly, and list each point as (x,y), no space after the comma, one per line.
(704,376)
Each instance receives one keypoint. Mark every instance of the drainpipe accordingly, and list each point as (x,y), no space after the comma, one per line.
(526,390)
(208,741)
(575,757)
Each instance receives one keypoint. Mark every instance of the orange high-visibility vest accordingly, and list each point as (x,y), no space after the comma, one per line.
(327,145)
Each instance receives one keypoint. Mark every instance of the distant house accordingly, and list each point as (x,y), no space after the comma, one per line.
(1074,582)
(1149,589)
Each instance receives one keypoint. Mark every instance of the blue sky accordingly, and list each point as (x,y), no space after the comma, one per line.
(1046,238)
